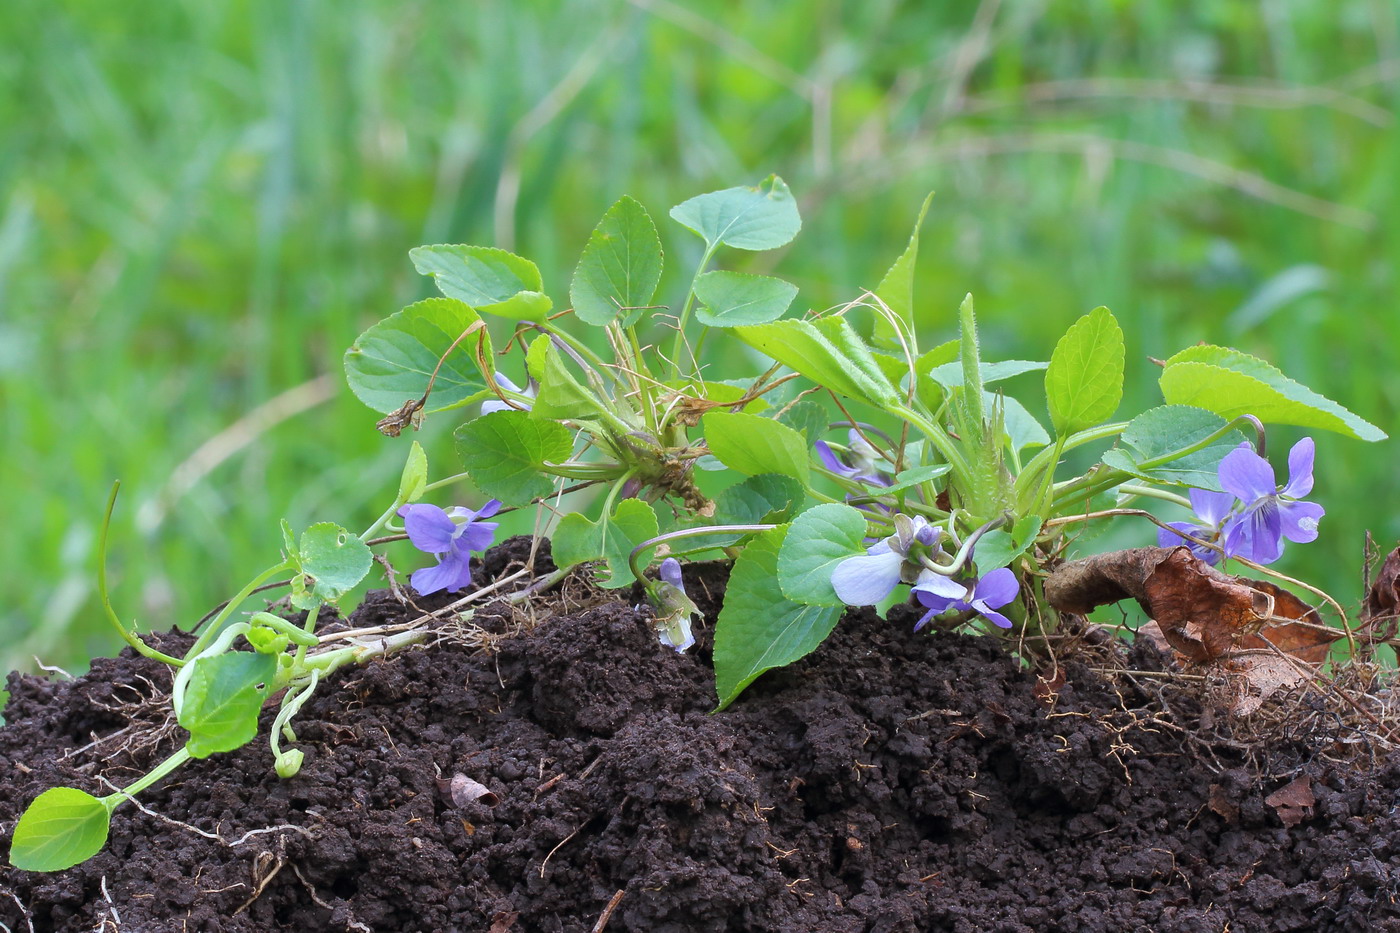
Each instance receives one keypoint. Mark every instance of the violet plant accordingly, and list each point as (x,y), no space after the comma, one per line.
(831,455)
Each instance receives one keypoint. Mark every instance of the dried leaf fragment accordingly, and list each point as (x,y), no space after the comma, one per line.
(1221,804)
(1382,606)
(1293,801)
(462,790)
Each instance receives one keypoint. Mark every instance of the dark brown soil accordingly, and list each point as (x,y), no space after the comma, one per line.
(889,782)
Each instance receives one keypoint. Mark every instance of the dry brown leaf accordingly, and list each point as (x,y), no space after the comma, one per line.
(1258,677)
(462,790)
(1382,606)
(1293,801)
(1220,803)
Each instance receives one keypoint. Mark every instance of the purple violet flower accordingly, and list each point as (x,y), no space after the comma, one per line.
(858,464)
(505,382)
(1271,513)
(940,594)
(1211,508)
(867,578)
(450,535)
(674,608)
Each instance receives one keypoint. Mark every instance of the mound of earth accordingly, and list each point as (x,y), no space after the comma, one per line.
(891,781)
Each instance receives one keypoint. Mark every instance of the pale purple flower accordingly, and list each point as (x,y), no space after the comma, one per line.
(505,382)
(939,594)
(858,464)
(450,535)
(1271,513)
(867,578)
(674,608)
(1211,508)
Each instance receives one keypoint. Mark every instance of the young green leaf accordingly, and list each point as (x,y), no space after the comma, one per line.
(731,299)
(896,290)
(490,280)
(1159,433)
(757,218)
(225,695)
(620,268)
(951,374)
(754,445)
(60,828)
(414,476)
(758,629)
(392,362)
(818,540)
(914,476)
(610,538)
(1022,428)
(999,548)
(332,562)
(1084,382)
(769,498)
(1231,383)
(808,417)
(828,352)
(561,396)
(506,451)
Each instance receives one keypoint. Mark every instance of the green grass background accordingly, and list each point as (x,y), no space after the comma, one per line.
(202,204)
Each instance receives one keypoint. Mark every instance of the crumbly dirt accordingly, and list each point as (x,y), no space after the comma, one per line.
(888,782)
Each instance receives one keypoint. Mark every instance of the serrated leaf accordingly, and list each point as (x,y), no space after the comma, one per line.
(334,560)
(914,476)
(754,445)
(620,267)
(491,280)
(561,397)
(1160,432)
(807,417)
(60,828)
(731,299)
(611,539)
(392,362)
(759,629)
(506,453)
(757,218)
(768,498)
(951,374)
(818,540)
(1231,383)
(829,353)
(896,289)
(414,476)
(999,548)
(1084,382)
(223,699)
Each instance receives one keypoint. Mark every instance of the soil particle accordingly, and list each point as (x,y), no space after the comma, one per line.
(888,782)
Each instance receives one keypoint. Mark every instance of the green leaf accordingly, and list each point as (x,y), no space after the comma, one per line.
(490,280)
(1084,383)
(951,374)
(1161,432)
(999,548)
(808,417)
(1231,383)
(1022,428)
(896,290)
(391,363)
(60,828)
(561,397)
(415,475)
(758,629)
(612,539)
(914,476)
(620,267)
(332,562)
(758,218)
(507,452)
(818,540)
(737,298)
(829,353)
(223,699)
(754,445)
(769,498)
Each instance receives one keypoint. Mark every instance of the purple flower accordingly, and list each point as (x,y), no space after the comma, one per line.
(1271,513)
(1211,508)
(940,594)
(450,535)
(673,607)
(867,578)
(858,464)
(506,383)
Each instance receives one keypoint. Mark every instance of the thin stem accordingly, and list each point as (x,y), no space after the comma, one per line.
(679,344)
(688,533)
(127,635)
(155,774)
(1078,439)
(309,627)
(1149,492)
(213,629)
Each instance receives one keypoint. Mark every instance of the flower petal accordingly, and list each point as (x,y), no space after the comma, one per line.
(505,382)
(476,536)
(430,528)
(1167,538)
(924,619)
(1260,535)
(452,574)
(1300,469)
(491,507)
(493,405)
(935,589)
(991,614)
(996,589)
(1246,475)
(866,579)
(829,459)
(1299,520)
(1211,507)
(671,572)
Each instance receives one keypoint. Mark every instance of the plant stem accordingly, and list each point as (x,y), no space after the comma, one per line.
(679,344)
(127,635)
(159,771)
(212,631)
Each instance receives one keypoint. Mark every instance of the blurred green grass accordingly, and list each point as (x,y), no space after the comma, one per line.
(201,205)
